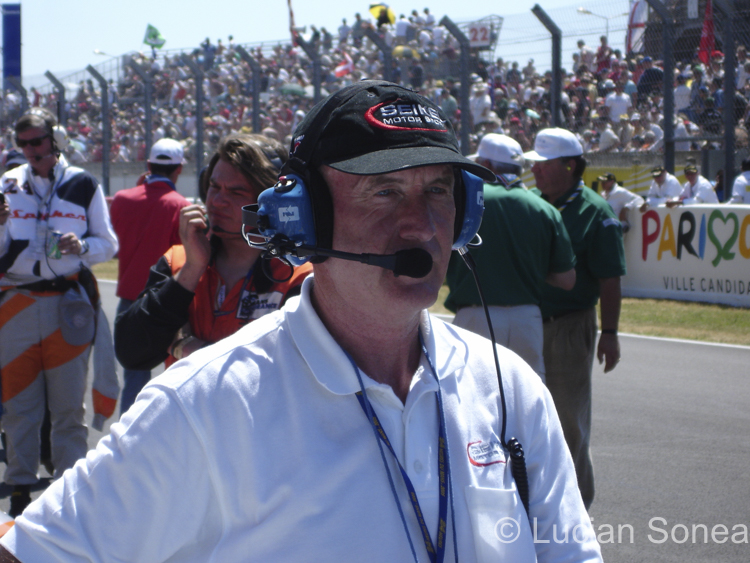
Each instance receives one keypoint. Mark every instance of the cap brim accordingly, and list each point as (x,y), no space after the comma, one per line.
(393,160)
(533,155)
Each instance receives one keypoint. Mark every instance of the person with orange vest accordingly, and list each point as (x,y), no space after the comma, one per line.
(210,286)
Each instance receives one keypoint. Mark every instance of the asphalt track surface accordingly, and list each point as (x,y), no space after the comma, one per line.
(671,450)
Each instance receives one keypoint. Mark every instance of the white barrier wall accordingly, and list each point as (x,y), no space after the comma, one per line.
(689,253)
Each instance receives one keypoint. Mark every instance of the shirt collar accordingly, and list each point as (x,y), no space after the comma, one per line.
(563,198)
(151,178)
(330,364)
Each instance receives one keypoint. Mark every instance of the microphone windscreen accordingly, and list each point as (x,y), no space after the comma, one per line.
(413,263)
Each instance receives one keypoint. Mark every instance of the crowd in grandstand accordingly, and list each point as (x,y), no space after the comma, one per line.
(611,101)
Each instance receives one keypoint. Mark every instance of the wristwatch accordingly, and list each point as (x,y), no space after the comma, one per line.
(84,247)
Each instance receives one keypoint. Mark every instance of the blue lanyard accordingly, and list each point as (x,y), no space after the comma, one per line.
(436,551)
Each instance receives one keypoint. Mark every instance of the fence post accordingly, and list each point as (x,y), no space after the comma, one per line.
(463,41)
(16,83)
(249,59)
(555,93)
(729,92)
(385,49)
(198,78)
(147,85)
(668,51)
(315,59)
(106,127)
(62,116)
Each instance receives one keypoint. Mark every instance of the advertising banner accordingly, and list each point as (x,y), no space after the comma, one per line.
(11,42)
(689,253)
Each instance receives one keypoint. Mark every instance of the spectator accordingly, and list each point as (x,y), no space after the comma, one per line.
(344,31)
(697,189)
(586,55)
(620,200)
(664,188)
(146,219)
(618,102)
(740,189)
(650,81)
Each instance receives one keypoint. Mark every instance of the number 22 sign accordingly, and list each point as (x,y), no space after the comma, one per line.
(479,34)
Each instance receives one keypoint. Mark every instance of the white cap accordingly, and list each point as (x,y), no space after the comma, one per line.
(609,83)
(499,148)
(167,152)
(554,143)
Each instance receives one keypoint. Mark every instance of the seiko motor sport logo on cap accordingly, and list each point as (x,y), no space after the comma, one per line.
(407,116)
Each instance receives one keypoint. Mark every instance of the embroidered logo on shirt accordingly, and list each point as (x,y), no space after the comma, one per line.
(254,306)
(483,454)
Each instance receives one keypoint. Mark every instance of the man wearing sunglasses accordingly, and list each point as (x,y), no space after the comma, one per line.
(54,224)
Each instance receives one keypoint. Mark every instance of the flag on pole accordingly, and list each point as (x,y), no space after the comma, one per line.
(292,30)
(345,67)
(707,44)
(636,26)
(153,38)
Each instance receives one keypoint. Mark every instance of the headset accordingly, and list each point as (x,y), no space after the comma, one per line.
(57,134)
(296,214)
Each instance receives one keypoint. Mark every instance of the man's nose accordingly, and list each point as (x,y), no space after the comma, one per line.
(417,220)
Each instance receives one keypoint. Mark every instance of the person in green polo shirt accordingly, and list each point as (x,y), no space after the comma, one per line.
(524,245)
(570,316)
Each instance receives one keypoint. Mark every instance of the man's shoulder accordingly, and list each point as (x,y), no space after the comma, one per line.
(592,202)
(129,193)
(234,360)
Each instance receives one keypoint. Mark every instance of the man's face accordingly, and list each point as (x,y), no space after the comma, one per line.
(553,177)
(35,154)
(383,214)
(691,177)
(660,178)
(228,191)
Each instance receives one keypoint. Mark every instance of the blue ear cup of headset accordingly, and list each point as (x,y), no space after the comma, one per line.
(473,209)
(286,210)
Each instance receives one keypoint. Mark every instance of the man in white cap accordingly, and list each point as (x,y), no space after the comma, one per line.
(146,219)
(664,188)
(697,189)
(620,199)
(569,317)
(524,245)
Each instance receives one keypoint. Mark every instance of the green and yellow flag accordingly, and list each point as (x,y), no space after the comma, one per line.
(153,37)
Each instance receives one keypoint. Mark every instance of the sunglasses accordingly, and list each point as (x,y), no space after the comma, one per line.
(35,142)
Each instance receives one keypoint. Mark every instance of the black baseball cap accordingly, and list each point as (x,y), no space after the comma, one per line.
(607,176)
(657,171)
(377,127)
